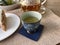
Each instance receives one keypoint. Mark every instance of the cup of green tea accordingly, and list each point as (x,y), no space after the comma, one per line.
(31,21)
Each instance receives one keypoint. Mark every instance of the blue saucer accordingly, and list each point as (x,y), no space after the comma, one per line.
(35,36)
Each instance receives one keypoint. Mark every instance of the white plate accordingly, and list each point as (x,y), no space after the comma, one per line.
(13,22)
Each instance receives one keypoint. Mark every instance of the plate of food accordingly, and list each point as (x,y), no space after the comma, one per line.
(9,23)
(8,4)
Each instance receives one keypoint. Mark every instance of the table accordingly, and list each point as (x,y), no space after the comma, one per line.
(50,35)
(54,5)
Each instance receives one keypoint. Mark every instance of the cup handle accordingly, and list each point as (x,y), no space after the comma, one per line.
(43,2)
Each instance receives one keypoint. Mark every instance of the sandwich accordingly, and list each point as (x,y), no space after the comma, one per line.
(2,20)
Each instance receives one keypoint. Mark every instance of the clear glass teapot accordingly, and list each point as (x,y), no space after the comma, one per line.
(32,5)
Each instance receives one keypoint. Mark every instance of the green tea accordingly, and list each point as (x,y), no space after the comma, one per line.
(31,19)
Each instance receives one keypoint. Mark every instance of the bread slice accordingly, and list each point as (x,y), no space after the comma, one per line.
(2,20)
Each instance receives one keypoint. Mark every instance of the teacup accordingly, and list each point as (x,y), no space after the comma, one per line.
(29,23)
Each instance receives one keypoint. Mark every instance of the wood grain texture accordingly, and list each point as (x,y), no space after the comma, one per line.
(54,5)
(50,35)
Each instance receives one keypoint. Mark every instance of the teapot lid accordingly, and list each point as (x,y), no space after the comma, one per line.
(29,2)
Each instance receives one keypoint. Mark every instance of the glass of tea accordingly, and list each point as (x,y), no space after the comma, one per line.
(32,5)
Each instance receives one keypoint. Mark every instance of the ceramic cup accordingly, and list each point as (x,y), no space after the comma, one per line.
(31,27)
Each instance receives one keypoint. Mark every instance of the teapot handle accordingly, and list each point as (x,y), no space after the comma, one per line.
(43,2)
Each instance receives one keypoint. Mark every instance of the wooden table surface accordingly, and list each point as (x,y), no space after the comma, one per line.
(50,35)
(54,5)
